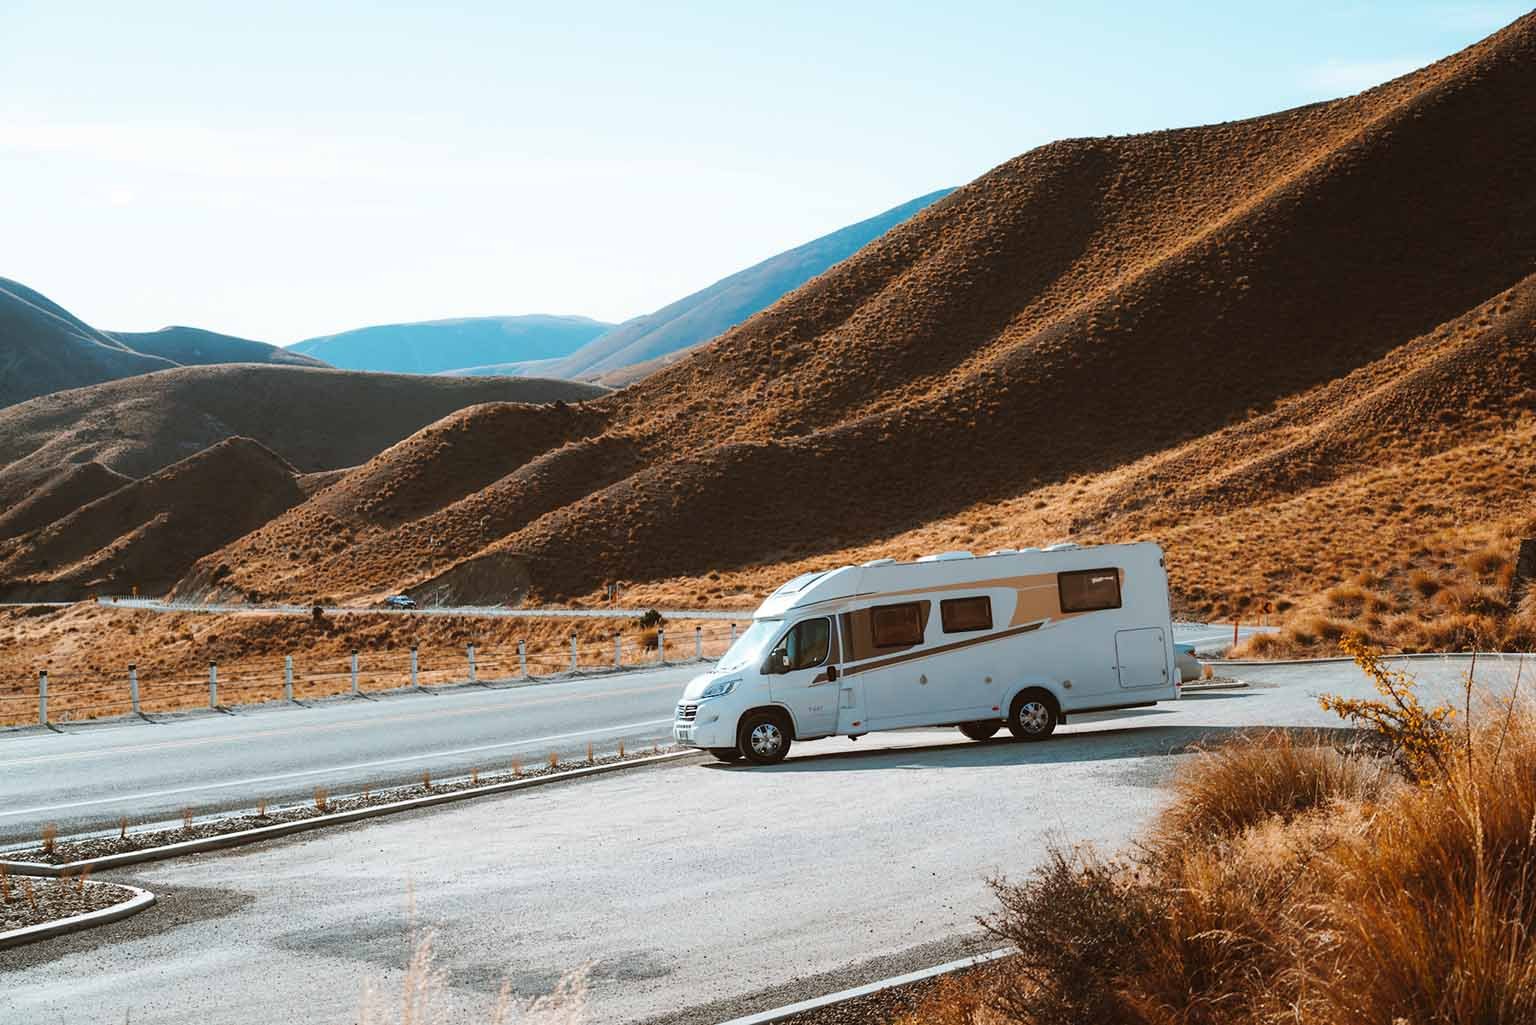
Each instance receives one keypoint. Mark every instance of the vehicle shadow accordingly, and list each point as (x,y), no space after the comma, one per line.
(1149,741)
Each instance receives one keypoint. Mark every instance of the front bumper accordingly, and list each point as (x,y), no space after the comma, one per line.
(697,724)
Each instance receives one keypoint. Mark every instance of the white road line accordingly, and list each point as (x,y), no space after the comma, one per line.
(252,781)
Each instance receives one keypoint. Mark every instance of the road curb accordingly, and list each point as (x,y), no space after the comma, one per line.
(817,1003)
(281,829)
(140,900)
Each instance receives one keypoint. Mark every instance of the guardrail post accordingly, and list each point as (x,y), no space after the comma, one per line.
(287,677)
(573,653)
(522,657)
(354,674)
(698,642)
(42,697)
(618,651)
(213,684)
(471,663)
(733,633)
(661,645)
(414,684)
(133,687)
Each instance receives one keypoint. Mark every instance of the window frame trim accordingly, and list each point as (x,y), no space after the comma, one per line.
(944,626)
(826,656)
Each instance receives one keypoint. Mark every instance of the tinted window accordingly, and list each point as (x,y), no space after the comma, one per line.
(896,626)
(805,646)
(962,614)
(1089,590)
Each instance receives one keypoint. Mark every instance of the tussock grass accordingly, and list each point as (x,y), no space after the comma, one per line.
(322,799)
(186,818)
(50,838)
(1297,879)
(5,884)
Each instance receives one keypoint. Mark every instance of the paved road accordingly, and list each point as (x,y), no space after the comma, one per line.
(82,777)
(692,890)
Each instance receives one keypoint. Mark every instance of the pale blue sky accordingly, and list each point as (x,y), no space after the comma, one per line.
(285,169)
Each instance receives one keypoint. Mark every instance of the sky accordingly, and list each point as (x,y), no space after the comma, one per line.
(284,170)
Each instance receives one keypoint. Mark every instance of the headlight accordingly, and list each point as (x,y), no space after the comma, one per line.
(719,688)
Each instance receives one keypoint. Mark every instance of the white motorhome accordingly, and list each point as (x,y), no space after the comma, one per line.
(1016,638)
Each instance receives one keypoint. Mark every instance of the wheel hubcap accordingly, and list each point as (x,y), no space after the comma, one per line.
(1033,716)
(766,739)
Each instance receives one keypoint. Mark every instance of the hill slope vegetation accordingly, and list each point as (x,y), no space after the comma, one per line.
(1223,336)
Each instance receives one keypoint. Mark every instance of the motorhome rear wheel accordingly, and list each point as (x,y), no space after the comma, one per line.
(1034,716)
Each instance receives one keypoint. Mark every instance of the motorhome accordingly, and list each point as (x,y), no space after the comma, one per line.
(1016,638)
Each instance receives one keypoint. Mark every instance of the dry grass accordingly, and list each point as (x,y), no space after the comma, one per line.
(5,884)
(474,777)
(1299,882)
(426,997)
(261,807)
(591,757)
(426,779)
(50,838)
(517,768)
(186,818)
(122,827)
(322,799)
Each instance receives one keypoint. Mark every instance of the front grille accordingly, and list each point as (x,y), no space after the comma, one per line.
(686,713)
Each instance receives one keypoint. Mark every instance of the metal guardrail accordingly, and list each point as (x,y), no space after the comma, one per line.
(488,611)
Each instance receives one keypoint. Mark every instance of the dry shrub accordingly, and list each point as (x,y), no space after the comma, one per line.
(322,799)
(1424,584)
(50,839)
(1241,784)
(5,885)
(1418,737)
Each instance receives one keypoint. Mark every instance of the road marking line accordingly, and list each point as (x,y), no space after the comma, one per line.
(334,768)
(241,736)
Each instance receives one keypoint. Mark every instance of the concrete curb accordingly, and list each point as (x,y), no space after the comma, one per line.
(250,836)
(816,1003)
(1260,663)
(140,900)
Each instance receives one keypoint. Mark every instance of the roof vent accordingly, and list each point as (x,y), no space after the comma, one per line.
(879,562)
(1064,546)
(946,557)
(1004,551)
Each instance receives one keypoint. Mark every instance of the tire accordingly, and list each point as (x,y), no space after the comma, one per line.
(763,738)
(984,730)
(1033,716)
(725,754)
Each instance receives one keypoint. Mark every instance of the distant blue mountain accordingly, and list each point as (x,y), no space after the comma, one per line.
(432,346)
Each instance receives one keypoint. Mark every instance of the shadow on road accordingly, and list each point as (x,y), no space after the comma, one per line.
(1100,745)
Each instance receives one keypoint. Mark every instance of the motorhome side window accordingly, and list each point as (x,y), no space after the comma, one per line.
(1089,590)
(804,647)
(960,615)
(896,626)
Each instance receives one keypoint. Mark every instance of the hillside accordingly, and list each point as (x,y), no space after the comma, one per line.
(147,532)
(191,346)
(1233,337)
(433,346)
(44,348)
(699,317)
(314,419)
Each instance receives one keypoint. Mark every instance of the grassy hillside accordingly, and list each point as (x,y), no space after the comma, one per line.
(1228,337)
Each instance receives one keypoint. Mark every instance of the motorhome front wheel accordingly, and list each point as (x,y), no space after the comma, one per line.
(764,740)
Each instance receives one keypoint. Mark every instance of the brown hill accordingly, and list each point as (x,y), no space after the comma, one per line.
(58,496)
(314,419)
(1072,327)
(148,532)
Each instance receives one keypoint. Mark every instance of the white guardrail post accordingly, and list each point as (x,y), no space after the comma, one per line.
(733,633)
(133,687)
(661,645)
(287,677)
(698,642)
(618,651)
(522,658)
(354,674)
(213,684)
(573,653)
(471,650)
(42,697)
(414,684)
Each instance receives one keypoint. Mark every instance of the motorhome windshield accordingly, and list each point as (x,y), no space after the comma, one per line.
(750,645)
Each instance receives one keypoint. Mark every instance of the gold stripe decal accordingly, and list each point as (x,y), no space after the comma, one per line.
(941,649)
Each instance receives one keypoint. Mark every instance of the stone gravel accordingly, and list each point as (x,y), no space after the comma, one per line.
(32,901)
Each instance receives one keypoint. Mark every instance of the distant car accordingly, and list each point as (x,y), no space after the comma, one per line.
(400,601)
(1189,667)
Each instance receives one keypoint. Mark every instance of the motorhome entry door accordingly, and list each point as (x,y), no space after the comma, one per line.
(1141,656)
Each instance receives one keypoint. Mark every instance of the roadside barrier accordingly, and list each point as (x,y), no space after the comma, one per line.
(65,693)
